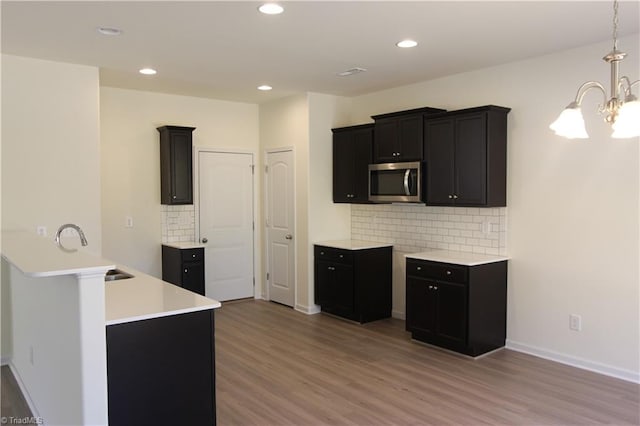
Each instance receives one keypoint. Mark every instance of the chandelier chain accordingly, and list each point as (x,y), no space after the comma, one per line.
(615,25)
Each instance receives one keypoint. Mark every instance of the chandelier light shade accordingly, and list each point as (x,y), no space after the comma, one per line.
(622,108)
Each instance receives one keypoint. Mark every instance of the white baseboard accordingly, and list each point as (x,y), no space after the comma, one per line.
(24,391)
(315,309)
(398,315)
(585,364)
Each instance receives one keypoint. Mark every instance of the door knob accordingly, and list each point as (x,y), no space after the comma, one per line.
(205,240)
(289,237)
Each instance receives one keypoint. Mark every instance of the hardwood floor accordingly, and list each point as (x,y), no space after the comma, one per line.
(276,366)
(14,407)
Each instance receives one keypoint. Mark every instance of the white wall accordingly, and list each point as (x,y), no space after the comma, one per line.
(285,123)
(50,152)
(131,162)
(573,206)
(327,221)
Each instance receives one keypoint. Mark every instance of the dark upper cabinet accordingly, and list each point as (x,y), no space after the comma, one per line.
(398,136)
(465,154)
(176,170)
(351,158)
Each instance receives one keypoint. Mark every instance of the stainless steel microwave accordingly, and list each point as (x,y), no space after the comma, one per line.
(395,182)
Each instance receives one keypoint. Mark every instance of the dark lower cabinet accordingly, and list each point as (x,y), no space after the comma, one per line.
(161,371)
(462,308)
(353,284)
(184,268)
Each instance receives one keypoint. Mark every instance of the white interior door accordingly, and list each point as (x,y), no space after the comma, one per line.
(226,223)
(280,227)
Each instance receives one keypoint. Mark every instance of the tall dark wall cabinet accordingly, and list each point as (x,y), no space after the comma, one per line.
(352,153)
(176,170)
(398,136)
(465,155)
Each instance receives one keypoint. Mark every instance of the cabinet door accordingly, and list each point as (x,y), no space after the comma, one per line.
(451,316)
(193,277)
(335,287)
(385,136)
(471,159)
(181,168)
(362,156)
(343,167)
(410,138)
(421,306)
(439,161)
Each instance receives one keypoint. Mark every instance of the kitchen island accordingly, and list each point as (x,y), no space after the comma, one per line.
(79,344)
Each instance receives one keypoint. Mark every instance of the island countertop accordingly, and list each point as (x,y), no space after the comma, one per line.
(145,297)
(37,257)
(138,298)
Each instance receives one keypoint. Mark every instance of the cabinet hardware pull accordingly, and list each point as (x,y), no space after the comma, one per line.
(321,253)
(448,272)
(450,196)
(193,255)
(430,287)
(419,268)
(341,256)
(435,287)
(455,196)
(186,270)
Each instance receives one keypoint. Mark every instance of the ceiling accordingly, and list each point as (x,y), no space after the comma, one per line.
(225,49)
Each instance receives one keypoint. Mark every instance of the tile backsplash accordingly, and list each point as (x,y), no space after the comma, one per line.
(413,228)
(178,223)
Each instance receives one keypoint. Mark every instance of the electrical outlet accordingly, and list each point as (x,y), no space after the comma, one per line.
(41,230)
(575,322)
(128,222)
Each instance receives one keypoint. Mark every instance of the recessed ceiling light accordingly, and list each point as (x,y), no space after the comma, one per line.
(265,87)
(271,9)
(147,71)
(351,71)
(109,31)
(407,43)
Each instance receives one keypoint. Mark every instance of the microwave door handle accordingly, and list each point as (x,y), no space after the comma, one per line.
(406,182)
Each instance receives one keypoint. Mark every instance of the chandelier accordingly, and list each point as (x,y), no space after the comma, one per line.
(622,109)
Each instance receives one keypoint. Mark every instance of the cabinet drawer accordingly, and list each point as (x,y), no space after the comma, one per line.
(192,255)
(333,254)
(437,271)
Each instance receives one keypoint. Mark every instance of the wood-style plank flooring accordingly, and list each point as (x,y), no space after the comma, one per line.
(276,366)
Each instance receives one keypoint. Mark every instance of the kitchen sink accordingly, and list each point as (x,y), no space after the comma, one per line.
(116,274)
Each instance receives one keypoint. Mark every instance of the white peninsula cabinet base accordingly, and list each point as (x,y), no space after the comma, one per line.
(58,329)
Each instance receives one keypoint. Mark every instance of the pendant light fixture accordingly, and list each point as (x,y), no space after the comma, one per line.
(622,109)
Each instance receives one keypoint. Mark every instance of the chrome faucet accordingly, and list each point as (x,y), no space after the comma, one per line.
(83,240)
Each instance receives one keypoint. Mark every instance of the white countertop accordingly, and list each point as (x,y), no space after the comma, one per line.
(37,256)
(133,299)
(353,244)
(144,297)
(183,245)
(457,257)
